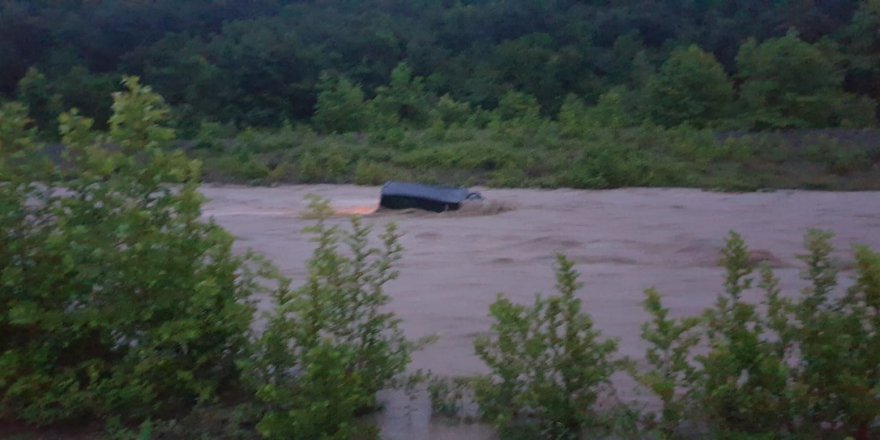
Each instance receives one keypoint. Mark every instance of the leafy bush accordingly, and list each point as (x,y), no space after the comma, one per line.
(788,83)
(691,88)
(450,112)
(332,166)
(671,372)
(118,299)
(742,384)
(548,364)
(372,173)
(606,168)
(285,138)
(213,135)
(340,107)
(404,101)
(329,346)
(242,167)
(799,366)
(836,338)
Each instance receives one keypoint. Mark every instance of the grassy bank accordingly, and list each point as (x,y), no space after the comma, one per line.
(546,154)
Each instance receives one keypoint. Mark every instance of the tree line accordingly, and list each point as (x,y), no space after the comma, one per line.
(744,64)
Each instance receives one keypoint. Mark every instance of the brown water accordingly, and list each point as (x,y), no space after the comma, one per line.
(623,241)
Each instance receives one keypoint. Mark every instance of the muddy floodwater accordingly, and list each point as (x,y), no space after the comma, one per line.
(623,242)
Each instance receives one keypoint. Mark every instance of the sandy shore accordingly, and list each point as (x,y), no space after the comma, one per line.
(622,240)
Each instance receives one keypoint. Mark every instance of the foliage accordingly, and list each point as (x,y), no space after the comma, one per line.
(403,101)
(799,366)
(576,120)
(548,365)
(260,63)
(671,370)
(329,346)
(36,93)
(743,379)
(118,299)
(450,111)
(837,376)
(340,107)
(788,83)
(449,396)
(547,154)
(691,87)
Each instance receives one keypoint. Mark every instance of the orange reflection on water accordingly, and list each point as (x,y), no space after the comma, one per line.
(355,210)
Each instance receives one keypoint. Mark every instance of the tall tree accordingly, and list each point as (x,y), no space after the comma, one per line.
(340,107)
(789,83)
(692,88)
(403,101)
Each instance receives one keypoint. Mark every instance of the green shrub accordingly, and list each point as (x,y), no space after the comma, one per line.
(610,112)
(743,381)
(671,372)
(837,379)
(242,167)
(548,364)
(324,401)
(393,137)
(213,135)
(797,367)
(691,87)
(606,168)
(330,346)
(572,117)
(510,176)
(324,166)
(118,300)
(846,162)
(372,173)
(449,395)
(449,111)
(261,141)
(403,102)
(340,107)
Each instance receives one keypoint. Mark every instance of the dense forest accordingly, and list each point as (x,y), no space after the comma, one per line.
(744,94)
(751,64)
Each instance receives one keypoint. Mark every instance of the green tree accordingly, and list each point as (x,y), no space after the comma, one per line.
(548,364)
(861,44)
(518,107)
(329,346)
(450,111)
(837,376)
(572,116)
(744,378)
(691,87)
(44,105)
(672,372)
(340,107)
(788,83)
(118,298)
(403,101)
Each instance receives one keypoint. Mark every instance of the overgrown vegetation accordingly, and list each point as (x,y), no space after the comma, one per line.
(329,346)
(792,366)
(543,155)
(120,304)
(798,366)
(514,93)
(549,366)
(760,64)
(118,301)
